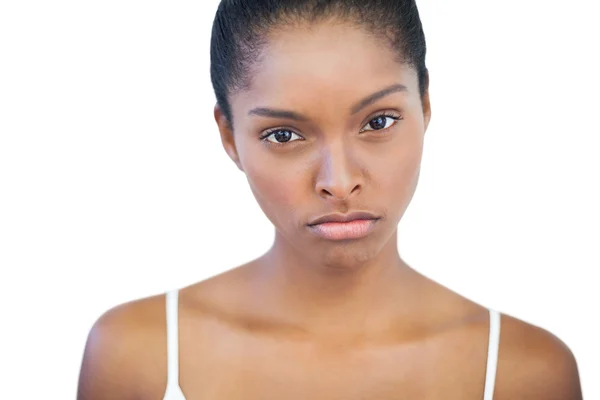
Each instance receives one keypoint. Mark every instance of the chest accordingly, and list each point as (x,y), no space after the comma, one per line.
(259,370)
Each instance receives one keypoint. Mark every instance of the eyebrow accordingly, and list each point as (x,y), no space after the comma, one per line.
(286,114)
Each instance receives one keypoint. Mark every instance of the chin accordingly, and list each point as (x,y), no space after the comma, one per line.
(344,254)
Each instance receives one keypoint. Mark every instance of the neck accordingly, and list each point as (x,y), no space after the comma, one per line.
(340,293)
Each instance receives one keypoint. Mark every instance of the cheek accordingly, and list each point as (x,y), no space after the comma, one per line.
(398,172)
(277,191)
(277,186)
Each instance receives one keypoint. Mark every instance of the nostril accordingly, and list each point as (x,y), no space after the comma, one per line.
(339,193)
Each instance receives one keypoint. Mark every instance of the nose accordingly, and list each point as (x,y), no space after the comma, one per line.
(339,175)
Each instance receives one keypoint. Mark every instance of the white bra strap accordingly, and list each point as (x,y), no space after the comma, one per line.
(172,338)
(492,358)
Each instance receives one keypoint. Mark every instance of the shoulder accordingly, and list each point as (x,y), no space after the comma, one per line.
(533,363)
(118,351)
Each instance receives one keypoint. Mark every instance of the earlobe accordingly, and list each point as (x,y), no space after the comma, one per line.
(227,137)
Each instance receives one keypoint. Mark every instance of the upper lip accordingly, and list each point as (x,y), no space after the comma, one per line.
(343,217)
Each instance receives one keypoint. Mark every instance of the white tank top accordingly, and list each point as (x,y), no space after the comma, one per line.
(174,392)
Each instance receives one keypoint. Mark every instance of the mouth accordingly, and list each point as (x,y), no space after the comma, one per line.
(353,216)
(344,226)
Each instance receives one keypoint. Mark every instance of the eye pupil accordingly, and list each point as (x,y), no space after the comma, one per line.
(378,123)
(283,136)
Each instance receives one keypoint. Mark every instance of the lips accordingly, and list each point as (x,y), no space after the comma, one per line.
(355,229)
(353,216)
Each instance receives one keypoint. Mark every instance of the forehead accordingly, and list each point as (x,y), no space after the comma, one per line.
(325,66)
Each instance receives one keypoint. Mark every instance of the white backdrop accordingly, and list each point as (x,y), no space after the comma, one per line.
(114,184)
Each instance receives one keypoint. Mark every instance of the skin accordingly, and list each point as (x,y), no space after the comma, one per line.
(314,318)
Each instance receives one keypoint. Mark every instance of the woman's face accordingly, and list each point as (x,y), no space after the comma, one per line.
(330,124)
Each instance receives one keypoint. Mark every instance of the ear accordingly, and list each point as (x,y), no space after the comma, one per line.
(227,137)
(426,103)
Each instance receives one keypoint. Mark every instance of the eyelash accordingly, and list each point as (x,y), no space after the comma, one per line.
(386,114)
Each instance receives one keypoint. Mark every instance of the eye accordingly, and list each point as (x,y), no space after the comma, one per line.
(381,121)
(279,136)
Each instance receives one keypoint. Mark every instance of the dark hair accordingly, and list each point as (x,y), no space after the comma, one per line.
(240,30)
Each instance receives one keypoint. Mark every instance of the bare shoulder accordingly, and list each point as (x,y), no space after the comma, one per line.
(122,349)
(533,363)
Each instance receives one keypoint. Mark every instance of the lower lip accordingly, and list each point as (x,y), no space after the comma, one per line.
(344,230)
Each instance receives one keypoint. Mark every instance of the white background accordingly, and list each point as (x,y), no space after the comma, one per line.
(114,184)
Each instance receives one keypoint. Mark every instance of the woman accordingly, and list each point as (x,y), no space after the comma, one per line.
(324,106)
